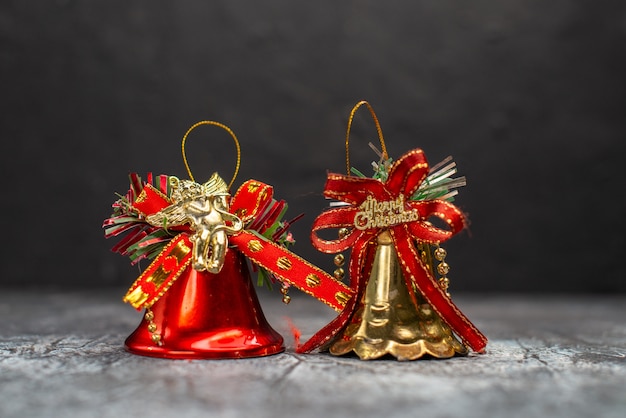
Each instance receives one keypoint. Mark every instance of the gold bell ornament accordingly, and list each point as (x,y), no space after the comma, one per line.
(398,305)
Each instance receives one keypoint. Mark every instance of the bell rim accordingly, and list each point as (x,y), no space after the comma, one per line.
(214,353)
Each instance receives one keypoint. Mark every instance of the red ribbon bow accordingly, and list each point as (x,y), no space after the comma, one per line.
(254,205)
(407,223)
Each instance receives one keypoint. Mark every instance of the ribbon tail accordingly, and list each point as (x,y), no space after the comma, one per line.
(292,269)
(171,262)
(416,272)
(326,334)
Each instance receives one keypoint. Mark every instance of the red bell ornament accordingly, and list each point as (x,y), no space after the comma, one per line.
(197,293)
(207,315)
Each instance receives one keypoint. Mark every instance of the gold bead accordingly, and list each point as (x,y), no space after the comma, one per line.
(156,338)
(444,283)
(338,273)
(149,315)
(284,290)
(339,260)
(286,299)
(443,268)
(152,327)
(343,232)
(440,253)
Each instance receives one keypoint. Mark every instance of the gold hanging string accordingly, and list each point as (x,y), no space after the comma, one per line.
(378,129)
(227,129)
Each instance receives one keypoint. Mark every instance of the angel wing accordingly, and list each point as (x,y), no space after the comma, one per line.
(215,185)
(173,215)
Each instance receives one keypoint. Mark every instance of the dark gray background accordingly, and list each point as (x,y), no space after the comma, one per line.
(528,96)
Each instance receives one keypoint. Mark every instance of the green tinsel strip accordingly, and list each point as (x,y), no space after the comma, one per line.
(439,184)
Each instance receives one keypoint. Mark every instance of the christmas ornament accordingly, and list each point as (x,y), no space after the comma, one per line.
(197,293)
(398,306)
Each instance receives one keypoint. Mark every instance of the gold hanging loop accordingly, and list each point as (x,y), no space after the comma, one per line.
(227,129)
(378,129)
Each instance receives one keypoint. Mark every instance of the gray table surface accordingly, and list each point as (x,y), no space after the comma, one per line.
(61,355)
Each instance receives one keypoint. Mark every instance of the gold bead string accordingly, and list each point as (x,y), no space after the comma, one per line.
(443,268)
(378,129)
(284,290)
(227,129)
(339,259)
(152,328)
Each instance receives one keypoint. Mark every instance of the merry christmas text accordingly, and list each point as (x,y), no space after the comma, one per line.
(375,214)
